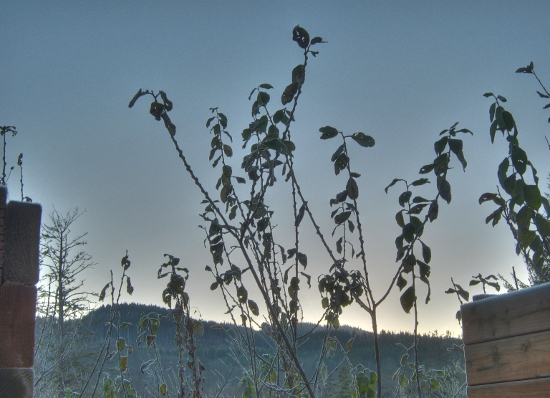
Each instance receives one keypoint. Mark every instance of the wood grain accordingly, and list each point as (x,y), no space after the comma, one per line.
(16,383)
(535,388)
(3,196)
(17,321)
(22,240)
(511,359)
(512,314)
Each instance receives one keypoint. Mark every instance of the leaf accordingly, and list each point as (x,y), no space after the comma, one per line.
(399,218)
(407,299)
(427,168)
(420,181)
(277,145)
(300,36)
(263,98)
(214,286)
(103,292)
(300,215)
(439,145)
(364,140)
(120,344)
(404,198)
(408,232)
(352,189)
(342,217)
(316,40)
(289,93)
(519,159)
(401,282)
(302,259)
(227,150)
(167,102)
(298,74)
(341,163)
(531,195)
(122,363)
(487,197)
(129,287)
(395,180)
(445,191)
(253,308)
(543,225)
(339,245)
(242,294)
(328,132)
(417,209)
(433,211)
(136,97)
(456,145)
(338,152)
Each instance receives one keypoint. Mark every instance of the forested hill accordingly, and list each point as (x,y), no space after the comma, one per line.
(216,341)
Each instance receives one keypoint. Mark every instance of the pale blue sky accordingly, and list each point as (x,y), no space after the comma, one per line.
(401,71)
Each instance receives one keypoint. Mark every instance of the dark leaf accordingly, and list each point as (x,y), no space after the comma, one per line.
(328,132)
(277,145)
(404,198)
(103,292)
(427,168)
(487,197)
(289,93)
(401,282)
(420,181)
(439,146)
(531,195)
(300,36)
(433,211)
(407,299)
(445,191)
(352,189)
(395,180)
(338,152)
(136,97)
(300,215)
(399,218)
(341,163)
(342,217)
(364,140)
(298,74)
(253,308)
(129,287)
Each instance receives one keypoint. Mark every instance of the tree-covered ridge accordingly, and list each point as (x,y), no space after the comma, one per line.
(217,352)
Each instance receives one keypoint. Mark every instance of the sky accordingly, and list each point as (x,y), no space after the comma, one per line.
(399,71)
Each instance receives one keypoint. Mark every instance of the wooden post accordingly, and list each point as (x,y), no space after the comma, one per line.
(507,344)
(19,257)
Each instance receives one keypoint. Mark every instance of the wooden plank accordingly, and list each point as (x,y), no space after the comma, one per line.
(16,383)
(512,314)
(22,239)
(3,196)
(17,320)
(511,359)
(535,388)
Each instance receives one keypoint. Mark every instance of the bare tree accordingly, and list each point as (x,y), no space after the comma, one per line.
(64,262)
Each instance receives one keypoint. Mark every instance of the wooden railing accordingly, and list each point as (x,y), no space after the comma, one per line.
(19,256)
(507,344)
